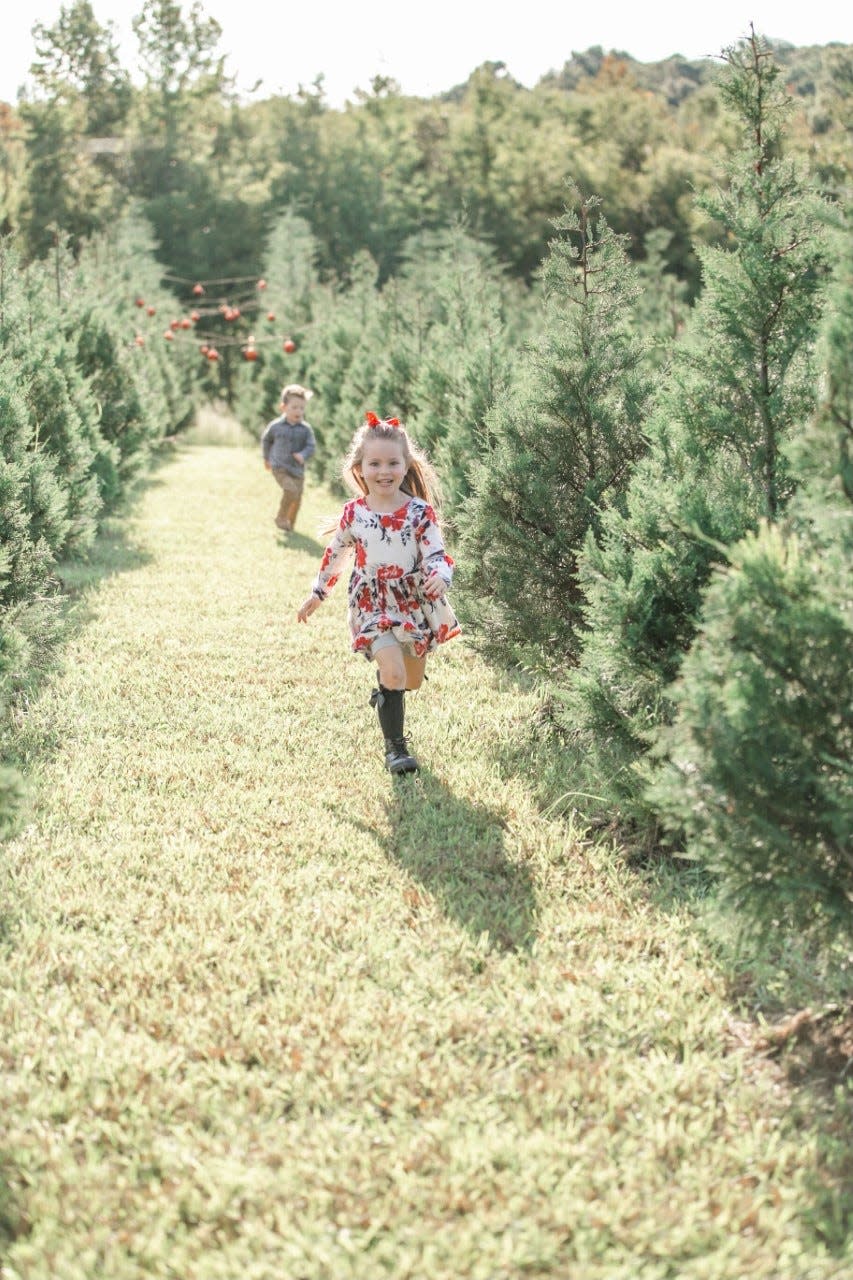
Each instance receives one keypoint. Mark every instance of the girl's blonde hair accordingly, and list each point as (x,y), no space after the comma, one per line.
(420,479)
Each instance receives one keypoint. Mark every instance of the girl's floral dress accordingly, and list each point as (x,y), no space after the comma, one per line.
(393,551)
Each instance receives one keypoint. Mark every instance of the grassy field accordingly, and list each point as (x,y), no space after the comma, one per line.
(267,1015)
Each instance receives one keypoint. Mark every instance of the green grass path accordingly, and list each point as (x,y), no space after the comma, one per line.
(267,1015)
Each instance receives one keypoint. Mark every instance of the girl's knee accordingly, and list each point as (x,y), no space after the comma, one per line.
(392,672)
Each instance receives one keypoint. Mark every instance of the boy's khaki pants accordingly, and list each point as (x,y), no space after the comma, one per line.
(291,496)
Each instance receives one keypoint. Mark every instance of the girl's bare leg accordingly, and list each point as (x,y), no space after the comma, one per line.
(392,667)
(415,668)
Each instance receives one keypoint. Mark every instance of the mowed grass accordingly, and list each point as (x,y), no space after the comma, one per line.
(268,1015)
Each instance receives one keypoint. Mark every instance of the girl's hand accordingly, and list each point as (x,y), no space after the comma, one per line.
(307,608)
(434,586)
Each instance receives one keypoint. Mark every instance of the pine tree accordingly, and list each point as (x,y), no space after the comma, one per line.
(477,319)
(33,524)
(563,439)
(61,413)
(341,314)
(124,421)
(430,346)
(740,385)
(386,336)
(761,780)
(64,418)
(290,296)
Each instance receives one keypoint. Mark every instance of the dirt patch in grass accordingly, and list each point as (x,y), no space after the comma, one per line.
(815,1046)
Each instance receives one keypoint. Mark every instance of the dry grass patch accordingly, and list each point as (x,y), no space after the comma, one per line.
(268,1014)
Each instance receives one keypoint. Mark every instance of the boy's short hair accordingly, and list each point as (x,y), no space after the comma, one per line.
(294,389)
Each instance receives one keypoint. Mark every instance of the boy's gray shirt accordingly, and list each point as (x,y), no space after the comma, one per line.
(281,439)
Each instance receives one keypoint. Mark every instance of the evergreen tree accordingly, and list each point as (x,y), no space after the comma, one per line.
(33,514)
(761,780)
(477,320)
(661,311)
(33,524)
(562,442)
(341,314)
(58,397)
(144,386)
(740,385)
(61,413)
(289,297)
(124,421)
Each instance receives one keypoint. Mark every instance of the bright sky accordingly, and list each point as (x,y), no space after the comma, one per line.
(429,47)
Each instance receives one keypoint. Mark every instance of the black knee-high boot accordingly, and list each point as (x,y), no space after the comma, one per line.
(391,707)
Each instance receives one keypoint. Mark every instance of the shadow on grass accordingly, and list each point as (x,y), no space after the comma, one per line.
(13,1224)
(111,554)
(455,849)
(300,542)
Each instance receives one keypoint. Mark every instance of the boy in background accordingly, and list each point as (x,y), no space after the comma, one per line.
(287,444)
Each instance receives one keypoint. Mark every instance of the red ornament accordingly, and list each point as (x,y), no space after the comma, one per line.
(289,346)
(174,324)
(262,284)
(152,311)
(270,315)
(139,340)
(169,336)
(186,323)
(204,348)
(140,302)
(212,354)
(195,316)
(250,353)
(198,290)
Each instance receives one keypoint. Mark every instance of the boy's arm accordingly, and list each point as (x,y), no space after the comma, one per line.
(266,442)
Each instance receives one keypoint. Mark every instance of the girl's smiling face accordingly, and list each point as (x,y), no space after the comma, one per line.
(383,467)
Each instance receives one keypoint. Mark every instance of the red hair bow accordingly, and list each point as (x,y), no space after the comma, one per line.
(373,420)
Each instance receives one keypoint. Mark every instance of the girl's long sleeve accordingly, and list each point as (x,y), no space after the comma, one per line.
(335,556)
(434,557)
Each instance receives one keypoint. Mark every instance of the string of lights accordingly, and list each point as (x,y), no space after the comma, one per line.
(231,311)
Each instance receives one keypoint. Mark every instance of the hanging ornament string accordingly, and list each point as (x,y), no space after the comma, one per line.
(231,309)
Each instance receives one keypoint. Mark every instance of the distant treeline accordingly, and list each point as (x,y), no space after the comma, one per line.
(213,173)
